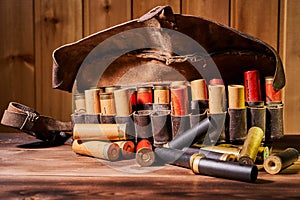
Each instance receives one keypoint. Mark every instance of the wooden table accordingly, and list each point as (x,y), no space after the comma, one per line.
(29,170)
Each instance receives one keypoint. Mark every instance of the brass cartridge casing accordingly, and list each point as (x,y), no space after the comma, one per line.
(251,145)
(220,149)
(145,156)
(279,161)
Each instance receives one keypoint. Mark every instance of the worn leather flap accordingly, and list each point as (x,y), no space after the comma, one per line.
(149,48)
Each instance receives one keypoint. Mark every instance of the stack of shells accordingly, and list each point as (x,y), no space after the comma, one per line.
(115,123)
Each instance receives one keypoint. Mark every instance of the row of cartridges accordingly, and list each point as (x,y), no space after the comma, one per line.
(188,124)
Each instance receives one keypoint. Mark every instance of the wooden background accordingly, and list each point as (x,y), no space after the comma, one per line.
(32,29)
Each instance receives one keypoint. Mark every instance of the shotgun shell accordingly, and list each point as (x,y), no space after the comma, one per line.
(251,145)
(99,132)
(133,98)
(256,116)
(199,90)
(161,127)
(272,96)
(110,89)
(92,101)
(216,81)
(236,96)
(274,122)
(262,154)
(189,136)
(142,124)
(174,156)
(107,104)
(228,150)
(252,86)
(179,98)
(180,124)
(210,154)
(216,98)
(122,102)
(130,129)
(176,83)
(127,148)
(79,100)
(161,94)
(224,169)
(279,161)
(145,156)
(99,149)
(237,124)
(144,95)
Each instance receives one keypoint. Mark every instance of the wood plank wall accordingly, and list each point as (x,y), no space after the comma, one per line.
(32,29)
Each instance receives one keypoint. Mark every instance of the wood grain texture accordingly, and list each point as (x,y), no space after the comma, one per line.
(140,7)
(214,10)
(32,29)
(290,52)
(258,18)
(56,23)
(16,53)
(102,14)
(30,171)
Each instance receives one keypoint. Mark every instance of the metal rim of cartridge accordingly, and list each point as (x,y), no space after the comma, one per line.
(104,96)
(122,131)
(112,151)
(228,157)
(161,87)
(194,162)
(144,89)
(145,157)
(273,164)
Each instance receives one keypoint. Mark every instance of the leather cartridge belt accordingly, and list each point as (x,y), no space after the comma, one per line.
(27,120)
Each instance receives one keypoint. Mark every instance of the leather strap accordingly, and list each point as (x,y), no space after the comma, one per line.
(28,120)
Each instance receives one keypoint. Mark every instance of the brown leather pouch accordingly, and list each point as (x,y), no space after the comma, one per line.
(158,39)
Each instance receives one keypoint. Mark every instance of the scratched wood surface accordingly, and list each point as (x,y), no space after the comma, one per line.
(32,29)
(29,170)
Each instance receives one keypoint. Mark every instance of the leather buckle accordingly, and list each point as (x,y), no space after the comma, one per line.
(29,120)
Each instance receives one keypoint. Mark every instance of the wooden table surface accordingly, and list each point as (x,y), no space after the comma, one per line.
(29,170)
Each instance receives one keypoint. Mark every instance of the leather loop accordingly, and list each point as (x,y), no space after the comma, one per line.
(29,120)
(26,119)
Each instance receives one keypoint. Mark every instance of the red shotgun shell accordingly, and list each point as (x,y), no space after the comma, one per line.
(272,96)
(144,154)
(179,98)
(144,95)
(252,86)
